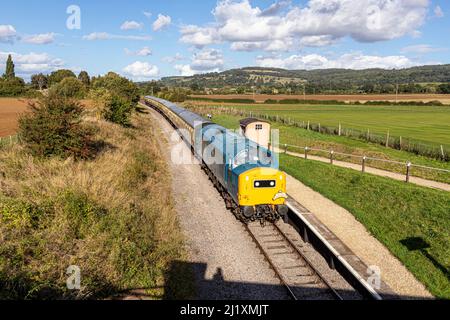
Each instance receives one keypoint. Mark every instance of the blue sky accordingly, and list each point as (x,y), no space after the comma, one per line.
(182,37)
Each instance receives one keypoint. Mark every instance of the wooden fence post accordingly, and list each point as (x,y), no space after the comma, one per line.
(408,171)
(285,148)
(308,126)
(387,140)
(306,153)
(331,156)
(364,164)
(442,152)
(319,127)
(340,128)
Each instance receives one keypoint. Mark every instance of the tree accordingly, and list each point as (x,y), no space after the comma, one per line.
(444,88)
(12,87)
(60,75)
(118,85)
(122,99)
(70,88)
(54,128)
(84,77)
(9,71)
(39,81)
(118,110)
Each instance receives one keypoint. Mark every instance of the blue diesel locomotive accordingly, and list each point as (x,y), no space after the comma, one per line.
(245,173)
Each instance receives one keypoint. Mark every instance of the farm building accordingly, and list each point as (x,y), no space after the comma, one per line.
(256,130)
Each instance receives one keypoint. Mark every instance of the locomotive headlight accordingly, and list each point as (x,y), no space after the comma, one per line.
(272,184)
(257,184)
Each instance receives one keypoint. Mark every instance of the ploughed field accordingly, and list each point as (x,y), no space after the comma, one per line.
(429,124)
(10,110)
(444,98)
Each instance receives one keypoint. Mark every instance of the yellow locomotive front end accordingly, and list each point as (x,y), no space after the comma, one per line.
(262,190)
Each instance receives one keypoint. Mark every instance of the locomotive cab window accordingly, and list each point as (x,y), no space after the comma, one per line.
(259,127)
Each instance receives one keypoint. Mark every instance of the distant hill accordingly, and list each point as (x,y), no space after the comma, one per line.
(337,79)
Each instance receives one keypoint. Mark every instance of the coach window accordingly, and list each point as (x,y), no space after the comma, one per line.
(259,127)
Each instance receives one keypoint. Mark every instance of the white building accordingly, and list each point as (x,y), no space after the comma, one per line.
(256,130)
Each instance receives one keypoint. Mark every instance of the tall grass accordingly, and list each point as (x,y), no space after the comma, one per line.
(111,216)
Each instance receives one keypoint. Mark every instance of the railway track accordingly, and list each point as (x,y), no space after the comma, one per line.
(297,274)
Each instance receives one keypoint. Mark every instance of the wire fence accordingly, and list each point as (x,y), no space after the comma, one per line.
(403,167)
(434,151)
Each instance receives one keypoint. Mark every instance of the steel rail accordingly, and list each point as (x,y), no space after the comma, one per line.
(309,263)
(271,263)
(324,248)
(278,271)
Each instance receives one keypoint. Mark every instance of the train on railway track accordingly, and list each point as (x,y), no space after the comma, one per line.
(245,173)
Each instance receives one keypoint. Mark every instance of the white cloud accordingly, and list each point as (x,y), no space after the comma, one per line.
(141,70)
(144,52)
(7,33)
(161,22)
(27,64)
(176,57)
(274,45)
(317,41)
(43,38)
(421,49)
(148,14)
(107,36)
(198,36)
(356,61)
(208,60)
(131,25)
(184,70)
(318,23)
(438,12)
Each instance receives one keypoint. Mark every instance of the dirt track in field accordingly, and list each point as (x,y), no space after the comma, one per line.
(444,98)
(10,110)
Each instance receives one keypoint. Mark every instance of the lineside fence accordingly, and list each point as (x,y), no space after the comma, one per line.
(435,151)
(407,168)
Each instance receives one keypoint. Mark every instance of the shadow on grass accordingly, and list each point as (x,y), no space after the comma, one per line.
(419,244)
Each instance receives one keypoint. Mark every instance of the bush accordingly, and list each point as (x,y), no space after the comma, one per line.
(444,88)
(11,87)
(70,88)
(53,128)
(118,110)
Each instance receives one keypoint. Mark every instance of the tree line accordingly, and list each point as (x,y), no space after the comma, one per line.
(420,80)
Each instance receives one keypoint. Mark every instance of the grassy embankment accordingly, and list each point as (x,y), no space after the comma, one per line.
(412,222)
(301,137)
(111,216)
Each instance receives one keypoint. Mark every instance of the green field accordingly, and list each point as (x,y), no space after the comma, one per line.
(300,137)
(412,222)
(424,123)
